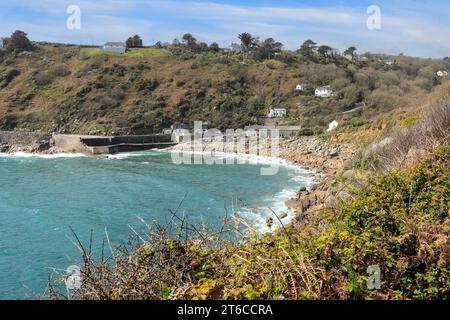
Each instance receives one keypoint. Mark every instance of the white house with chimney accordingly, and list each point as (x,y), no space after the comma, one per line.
(324,92)
(300,88)
(277,113)
(442,73)
(117,47)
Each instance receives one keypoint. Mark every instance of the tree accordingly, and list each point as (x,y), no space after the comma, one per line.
(268,49)
(134,42)
(324,50)
(247,41)
(189,40)
(307,48)
(214,47)
(19,42)
(137,41)
(176,42)
(130,42)
(203,46)
(351,51)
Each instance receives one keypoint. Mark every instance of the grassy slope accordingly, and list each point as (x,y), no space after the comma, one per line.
(68,89)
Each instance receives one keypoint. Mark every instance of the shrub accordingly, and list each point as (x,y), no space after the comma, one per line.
(310,131)
(18,42)
(405,145)
(106,102)
(148,85)
(355,122)
(60,71)
(398,221)
(43,78)
(7,77)
(117,94)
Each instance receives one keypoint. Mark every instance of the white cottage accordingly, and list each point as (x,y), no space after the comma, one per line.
(333,126)
(234,47)
(324,92)
(277,113)
(118,47)
(300,88)
(442,73)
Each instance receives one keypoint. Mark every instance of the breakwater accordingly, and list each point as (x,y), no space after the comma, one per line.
(36,142)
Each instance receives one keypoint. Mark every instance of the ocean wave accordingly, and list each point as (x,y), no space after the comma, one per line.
(249,158)
(41,156)
(126,155)
(258,216)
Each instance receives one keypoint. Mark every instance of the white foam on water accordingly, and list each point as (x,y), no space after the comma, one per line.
(41,156)
(258,216)
(126,155)
(270,206)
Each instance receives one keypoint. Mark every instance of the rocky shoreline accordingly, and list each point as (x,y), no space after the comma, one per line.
(327,159)
(11,149)
(26,142)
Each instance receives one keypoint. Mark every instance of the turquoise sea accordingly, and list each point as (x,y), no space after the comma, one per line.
(41,196)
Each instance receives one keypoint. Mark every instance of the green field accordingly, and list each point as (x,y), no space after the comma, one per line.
(131,53)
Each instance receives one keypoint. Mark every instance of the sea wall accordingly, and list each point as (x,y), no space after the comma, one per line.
(98,145)
(70,143)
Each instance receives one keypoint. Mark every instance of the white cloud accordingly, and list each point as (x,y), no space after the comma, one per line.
(402,29)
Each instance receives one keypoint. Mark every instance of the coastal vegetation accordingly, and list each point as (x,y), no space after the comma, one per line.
(398,221)
(387,206)
(391,212)
(197,81)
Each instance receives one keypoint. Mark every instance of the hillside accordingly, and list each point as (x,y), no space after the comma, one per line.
(387,209)
(68,89)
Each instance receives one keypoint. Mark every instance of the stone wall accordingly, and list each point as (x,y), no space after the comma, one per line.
(70,143)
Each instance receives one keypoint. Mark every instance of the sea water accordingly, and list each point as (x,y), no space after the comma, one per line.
(42,197)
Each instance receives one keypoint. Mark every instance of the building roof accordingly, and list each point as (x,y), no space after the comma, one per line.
(115,44)
(324,88)
(256,127)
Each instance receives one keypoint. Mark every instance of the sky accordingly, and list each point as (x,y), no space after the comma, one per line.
(417,28)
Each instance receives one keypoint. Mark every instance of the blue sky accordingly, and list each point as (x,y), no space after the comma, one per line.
(418,28)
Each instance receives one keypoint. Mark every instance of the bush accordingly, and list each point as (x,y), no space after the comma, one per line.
(398,221)
(7,77)
(309,132)
(106,102)
(60,71)
(117,94)
(148,85)
(43,78)
(18,42)
(355,122)
(407,144)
